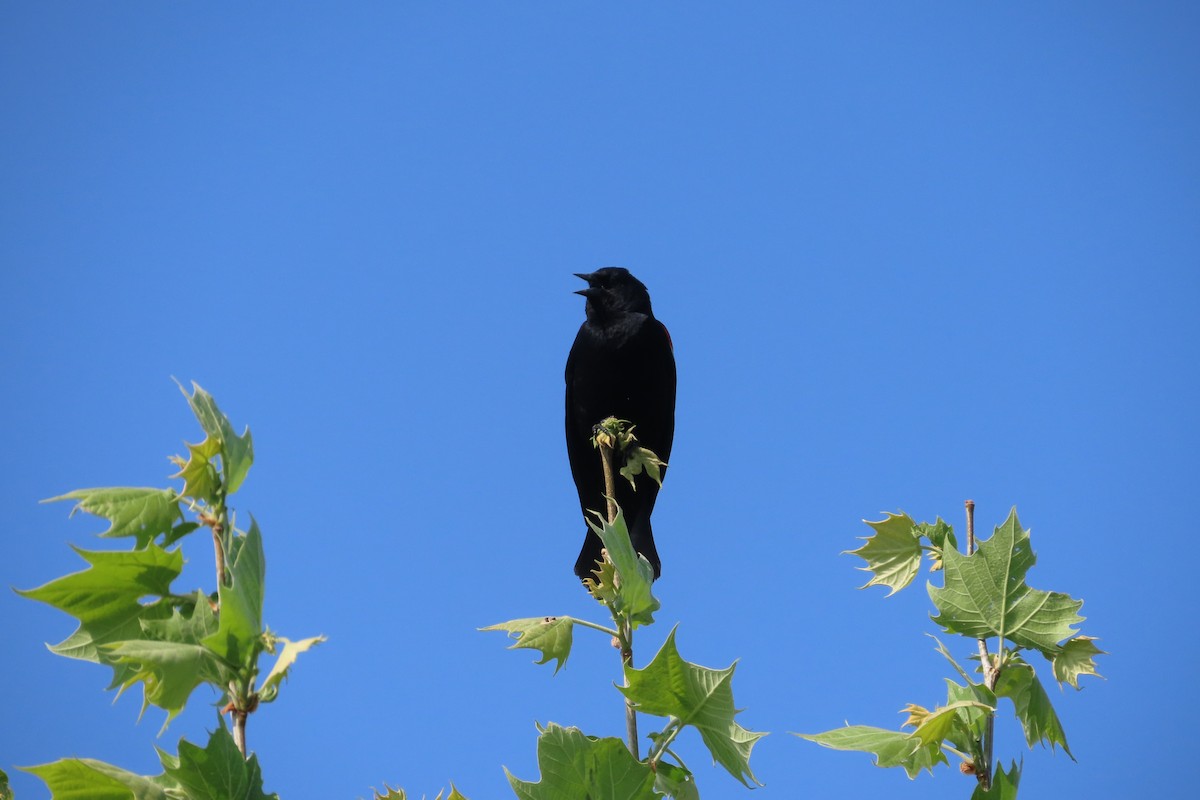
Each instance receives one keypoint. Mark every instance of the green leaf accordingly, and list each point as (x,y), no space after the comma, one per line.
(140,512)
(1004,785)
(634,575)
(550,635)
(5,792)
(890,748)
(939,535)
(892,553)
(200,477)
(238,639)
(216,771)
(986,595)
(935,726)
(1075,659)
(187,624)
(1020,683)
(641,458)
(967,733)
(105,598)
(170,671)
(578,767)
(237,452)
(291,651)
(670,687)
(88,779)
(675,781)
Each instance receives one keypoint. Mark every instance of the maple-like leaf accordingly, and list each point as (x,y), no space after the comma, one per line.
(985,594)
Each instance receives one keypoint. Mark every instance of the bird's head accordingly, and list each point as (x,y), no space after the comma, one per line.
(612,291)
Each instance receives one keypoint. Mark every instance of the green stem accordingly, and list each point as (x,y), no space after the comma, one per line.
(664,740)
(596,626)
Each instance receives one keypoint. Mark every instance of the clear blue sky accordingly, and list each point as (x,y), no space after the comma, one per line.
(909,254)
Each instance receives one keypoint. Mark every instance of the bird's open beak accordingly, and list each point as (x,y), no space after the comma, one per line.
(587,276)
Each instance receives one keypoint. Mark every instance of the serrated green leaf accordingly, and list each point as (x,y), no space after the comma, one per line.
(1004,785)
(578,767)
(986,595)
(1075,659)
(5,792)
(935,726)
(170,671)
(698,696)
(200,477)
(237,452)
(188,624)
(216,771)
(1020,683)
(291,651)
(238,639)
(641,458)
(890,748)
(634,575)
(892,553)
(105,598)
(552,636)
(88,779)
(136,511)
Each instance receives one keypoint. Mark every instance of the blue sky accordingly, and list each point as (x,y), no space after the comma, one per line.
(908,254)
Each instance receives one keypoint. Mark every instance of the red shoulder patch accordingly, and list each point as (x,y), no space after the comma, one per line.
(670,343)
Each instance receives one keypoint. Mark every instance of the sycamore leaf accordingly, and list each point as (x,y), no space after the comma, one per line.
(935,726)
(1004,785)
(892,553)
(237,452)
(550,635)
(602,583)
(5,792)
(1020,683)
(291,651)
(238,638)
(578,767)
(986,595)
(890,748)
(170,671)
(88,779)
(634,575)
(141,512)
(105,598)
(187,624)
(216,771)
(200,478)
(1075,659)
(641,458)
(670,687)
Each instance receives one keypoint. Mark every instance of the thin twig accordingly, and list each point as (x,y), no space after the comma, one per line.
(970,504)
(991,674)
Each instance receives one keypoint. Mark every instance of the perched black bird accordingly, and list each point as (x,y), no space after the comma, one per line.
(621,365)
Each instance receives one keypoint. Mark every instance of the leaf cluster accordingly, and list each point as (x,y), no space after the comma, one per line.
(575,765)
(984,598)
(132,620)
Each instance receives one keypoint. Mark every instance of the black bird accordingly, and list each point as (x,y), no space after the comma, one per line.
(621,365)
